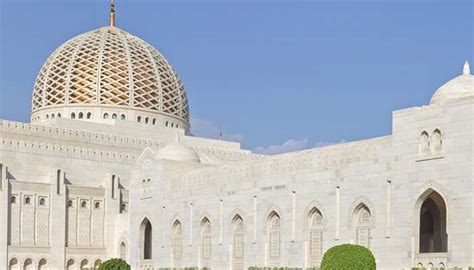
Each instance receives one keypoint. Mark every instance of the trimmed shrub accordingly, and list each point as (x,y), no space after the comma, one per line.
(277,268)
(114,264)
(348,257)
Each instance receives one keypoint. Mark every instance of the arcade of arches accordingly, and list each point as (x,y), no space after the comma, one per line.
(432,234)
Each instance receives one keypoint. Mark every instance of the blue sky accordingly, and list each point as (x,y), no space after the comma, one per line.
(276,75)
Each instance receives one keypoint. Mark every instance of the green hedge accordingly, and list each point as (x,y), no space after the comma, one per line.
(280,268)
(114,264)
(348,257)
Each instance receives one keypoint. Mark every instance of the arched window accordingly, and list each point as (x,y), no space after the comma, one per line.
(166,124)
(27,200)
(84,264)
(52,115)
(177,250)
(97,264)
(437,142)
(43,264)
(238,243)
(28,265)
(69,203)
(13,264)
(273,239)
(122,117)
(139,119)
(315,228)
(84,204)
(81,115)
(71,265)
(89,115)
(97,205)
(73,116)
(59,115)
(146,239)
(41,201)
(362,222)
(432,219)
(206,244)
(424,144)
(123,250)
(146,120)
(106,116)
(154,121)
(47,116)
(114,116)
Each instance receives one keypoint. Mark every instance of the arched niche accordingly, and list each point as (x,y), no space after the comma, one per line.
(146,239)
(431,223)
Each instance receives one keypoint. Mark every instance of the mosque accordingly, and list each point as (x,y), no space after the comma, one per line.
(107,167)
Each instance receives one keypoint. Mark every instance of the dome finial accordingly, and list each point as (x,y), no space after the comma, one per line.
(112,13)
(466,70)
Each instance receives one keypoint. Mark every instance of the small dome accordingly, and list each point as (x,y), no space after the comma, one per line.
(459,87)
(179,152)
(107,71)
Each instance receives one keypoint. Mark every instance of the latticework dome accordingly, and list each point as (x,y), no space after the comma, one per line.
(109,74)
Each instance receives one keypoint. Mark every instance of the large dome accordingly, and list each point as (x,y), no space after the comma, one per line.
(108,74)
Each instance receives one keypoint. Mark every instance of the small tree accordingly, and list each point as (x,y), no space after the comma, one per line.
(348,257)
(114,264)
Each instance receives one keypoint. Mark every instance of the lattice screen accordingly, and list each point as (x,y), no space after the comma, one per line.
(109,66)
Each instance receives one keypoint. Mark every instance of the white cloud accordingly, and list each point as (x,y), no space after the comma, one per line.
(288,146)
(208,129)
(205,128)
(291,145)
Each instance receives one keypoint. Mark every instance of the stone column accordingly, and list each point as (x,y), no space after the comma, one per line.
(293,216)
(112,209)
(58,218)
(389,209)
(337,212)
(221,221)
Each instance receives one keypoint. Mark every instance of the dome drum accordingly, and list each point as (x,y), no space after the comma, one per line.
(109,71)
(107,114)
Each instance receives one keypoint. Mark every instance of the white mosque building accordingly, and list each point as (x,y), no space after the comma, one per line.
(108,168)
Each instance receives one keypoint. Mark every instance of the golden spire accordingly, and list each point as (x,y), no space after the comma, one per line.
(112,13)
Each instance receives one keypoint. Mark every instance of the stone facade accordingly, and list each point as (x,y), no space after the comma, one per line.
(75,192)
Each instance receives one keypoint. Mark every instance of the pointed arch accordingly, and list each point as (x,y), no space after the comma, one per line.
(362,224)
(361,200)
(314,205)
(42,264)
(97,263)
(13,264)
(273,228)
(206,242)
(436,141)
(431,222)
(177,243)
(28,264)
(146,239)
(314,221)
(123,250)
(84,264)
(238,242)
(71,265)
(424,144)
